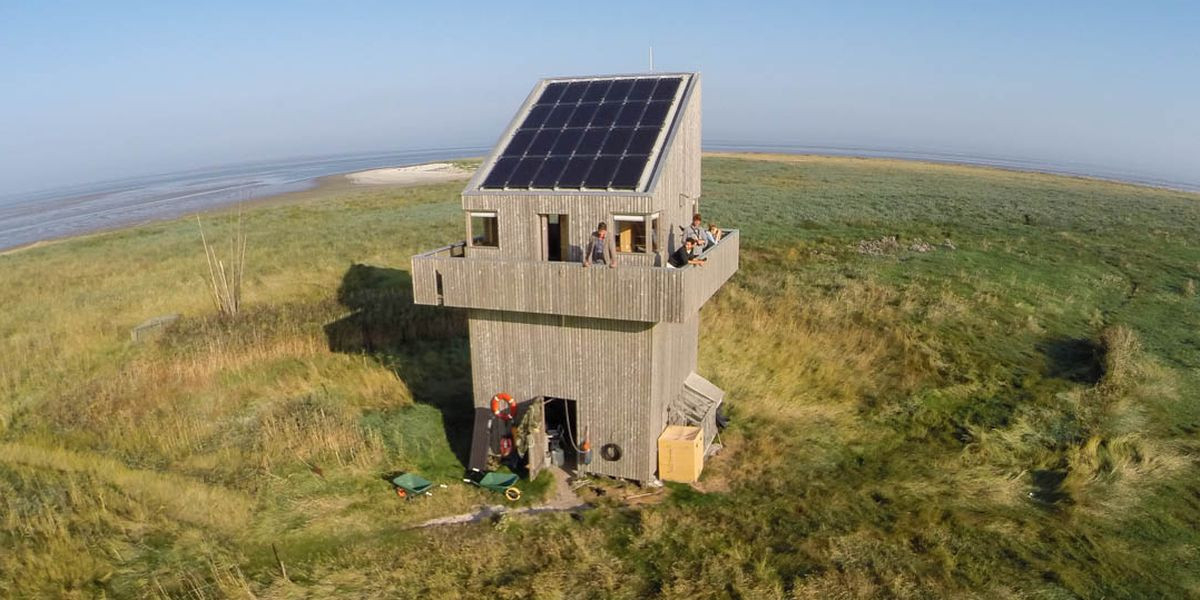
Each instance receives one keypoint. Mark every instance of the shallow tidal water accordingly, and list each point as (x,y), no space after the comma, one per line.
(62,212)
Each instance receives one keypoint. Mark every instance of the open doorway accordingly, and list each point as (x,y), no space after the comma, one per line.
(555,241)
(562,431)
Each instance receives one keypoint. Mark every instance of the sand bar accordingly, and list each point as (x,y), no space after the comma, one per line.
(438,172)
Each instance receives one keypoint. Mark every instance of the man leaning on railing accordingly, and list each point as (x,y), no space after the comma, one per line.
(682,256)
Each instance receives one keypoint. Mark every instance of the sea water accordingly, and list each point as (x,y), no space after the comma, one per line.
(62,212)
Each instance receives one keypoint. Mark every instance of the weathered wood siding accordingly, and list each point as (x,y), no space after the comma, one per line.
(628,292)
(597,363)
(674,359)
(645,294)
(701,282)
(520,226)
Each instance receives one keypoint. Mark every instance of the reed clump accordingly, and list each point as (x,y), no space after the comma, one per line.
(226,275)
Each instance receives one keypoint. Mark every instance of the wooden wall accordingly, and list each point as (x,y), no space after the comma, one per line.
(598,363)
(648,294)
(674,359)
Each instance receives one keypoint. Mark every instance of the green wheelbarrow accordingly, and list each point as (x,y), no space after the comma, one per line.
(496,482)
(410,485)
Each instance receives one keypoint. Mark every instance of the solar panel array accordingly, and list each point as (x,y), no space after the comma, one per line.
(590,134)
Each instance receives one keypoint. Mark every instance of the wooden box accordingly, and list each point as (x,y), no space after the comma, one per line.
(680,453)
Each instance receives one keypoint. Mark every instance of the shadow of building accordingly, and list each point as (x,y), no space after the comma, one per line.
(424,346)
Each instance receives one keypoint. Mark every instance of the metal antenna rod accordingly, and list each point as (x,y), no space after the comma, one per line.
(651,58)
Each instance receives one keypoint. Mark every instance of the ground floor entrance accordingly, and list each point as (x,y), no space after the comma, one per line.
(562,433)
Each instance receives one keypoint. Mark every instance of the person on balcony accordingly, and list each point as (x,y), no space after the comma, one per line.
(698,233)
(682,256)
(600,248)
(713,235)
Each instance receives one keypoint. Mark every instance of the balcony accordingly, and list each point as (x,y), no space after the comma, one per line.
(630,293)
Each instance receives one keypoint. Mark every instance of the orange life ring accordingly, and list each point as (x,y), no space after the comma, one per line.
(504,407)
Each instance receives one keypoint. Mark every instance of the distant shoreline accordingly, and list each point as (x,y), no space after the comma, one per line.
(73,211)
(318,186)
(335,182)
(944,158)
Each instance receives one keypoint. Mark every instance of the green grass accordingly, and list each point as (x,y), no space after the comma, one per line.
(1009,414)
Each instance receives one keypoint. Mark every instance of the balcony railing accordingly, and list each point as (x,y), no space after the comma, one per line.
(627,292)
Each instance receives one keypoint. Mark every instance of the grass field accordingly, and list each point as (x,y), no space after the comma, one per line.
(1000,402)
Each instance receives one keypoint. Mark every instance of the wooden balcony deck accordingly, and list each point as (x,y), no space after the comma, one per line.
(628,293)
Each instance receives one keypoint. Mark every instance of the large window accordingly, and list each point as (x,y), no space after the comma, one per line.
(636,233)
(485,230)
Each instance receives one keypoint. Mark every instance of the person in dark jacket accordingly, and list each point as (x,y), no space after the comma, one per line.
(682,256)
(600,248)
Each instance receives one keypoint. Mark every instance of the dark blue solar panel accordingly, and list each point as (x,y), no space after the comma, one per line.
(559,116)
(543,142)
(666,88)
(629,172)
(582,115)
(590,134)
(617,140)
(642,141)
(520,142)
(577,169)
(500,172)
(523,174)
(596,90)
(656,113)
(631,113)
(537,116)
(566,142)
(606,113)
(573,92)
(552,168)
(590,144)
(602,172)
(642,89)
(552,92)
(619,90)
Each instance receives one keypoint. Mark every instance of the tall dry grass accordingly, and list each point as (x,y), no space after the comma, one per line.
(226,276)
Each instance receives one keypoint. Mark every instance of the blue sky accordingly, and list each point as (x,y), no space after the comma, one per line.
(95,91)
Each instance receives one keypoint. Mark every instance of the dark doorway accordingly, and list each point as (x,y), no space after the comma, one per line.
(562,431)
(554,237)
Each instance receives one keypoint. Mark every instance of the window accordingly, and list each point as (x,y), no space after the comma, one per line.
(485,230)
(556,244)
(633,235)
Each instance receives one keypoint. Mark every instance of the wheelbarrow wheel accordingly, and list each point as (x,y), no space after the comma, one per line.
(400,492)
(513,494)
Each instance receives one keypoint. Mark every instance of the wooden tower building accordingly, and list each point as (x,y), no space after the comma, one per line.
(610,353)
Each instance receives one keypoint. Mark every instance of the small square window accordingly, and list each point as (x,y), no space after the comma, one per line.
(633,235)
(485,229)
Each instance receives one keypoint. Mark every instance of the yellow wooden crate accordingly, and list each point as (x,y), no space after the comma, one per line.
(680,453)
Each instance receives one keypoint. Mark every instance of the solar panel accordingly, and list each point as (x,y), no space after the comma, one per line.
(587,134)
